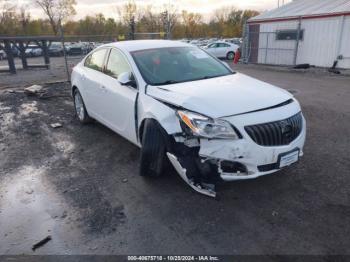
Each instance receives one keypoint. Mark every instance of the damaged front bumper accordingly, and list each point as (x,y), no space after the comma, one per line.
(205,162)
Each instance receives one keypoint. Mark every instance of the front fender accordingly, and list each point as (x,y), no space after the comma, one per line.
(149,107)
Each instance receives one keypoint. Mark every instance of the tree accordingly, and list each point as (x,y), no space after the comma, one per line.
(191,23)
(169,18)
(129,15)
(57,11)
(8,18)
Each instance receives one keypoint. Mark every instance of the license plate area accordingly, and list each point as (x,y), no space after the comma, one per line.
(288,158)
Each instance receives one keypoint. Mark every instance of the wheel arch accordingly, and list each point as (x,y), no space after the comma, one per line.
(74,87)
(151,109)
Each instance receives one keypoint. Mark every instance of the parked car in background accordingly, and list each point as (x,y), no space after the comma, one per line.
(180,104)
(236,41)
(15,51)
(56,49)
(222,49)
(2,54)
(33,51)
(79,49)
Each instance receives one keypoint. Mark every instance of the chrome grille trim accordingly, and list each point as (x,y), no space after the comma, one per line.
(277,133)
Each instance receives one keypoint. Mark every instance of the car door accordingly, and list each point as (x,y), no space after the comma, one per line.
(212,49)
(91,81)
(222,50)
(117,101)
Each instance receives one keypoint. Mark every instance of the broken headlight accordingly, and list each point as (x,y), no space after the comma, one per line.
(206,127)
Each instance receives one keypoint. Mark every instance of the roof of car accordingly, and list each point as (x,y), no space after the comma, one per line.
(221,42)
(135,45)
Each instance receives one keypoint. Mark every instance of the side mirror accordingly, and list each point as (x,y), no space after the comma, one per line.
(127,79)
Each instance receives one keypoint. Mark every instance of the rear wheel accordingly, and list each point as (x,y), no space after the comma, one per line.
(230,55)
(153,152)
(80,109)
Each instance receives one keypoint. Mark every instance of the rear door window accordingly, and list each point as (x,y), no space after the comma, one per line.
(96,60)
(117,64)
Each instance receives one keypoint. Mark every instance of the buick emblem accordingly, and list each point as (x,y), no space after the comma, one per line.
(286,129)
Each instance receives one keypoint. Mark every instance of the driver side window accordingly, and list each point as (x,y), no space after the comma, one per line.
(116,64)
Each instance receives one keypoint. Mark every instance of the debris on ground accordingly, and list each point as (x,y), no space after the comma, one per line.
(55,125)
(41,243)
(33,90)
(125,180)
(64,214)
(29,191)
(274,213)
(302,66)
(333,68)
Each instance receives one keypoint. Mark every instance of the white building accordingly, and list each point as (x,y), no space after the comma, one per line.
(324,37)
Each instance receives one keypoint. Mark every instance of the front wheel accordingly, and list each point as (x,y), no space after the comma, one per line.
(230,55)
(80,109)
(153,151)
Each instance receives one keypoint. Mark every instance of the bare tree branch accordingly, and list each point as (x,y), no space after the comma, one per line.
(57,11)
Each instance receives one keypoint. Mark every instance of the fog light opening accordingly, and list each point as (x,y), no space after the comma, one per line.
(232,167)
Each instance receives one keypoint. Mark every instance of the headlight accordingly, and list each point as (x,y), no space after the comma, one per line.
(206,127)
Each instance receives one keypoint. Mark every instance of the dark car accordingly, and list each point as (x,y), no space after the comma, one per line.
(78,49)
(56,49)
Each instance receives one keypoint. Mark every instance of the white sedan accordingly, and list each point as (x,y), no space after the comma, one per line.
(2,54)
(185,107)
(222,49)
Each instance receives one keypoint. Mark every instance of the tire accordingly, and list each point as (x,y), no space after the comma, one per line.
(153,159)
(80,109)
(230,55)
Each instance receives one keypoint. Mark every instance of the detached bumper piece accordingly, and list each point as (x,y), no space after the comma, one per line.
(197,185)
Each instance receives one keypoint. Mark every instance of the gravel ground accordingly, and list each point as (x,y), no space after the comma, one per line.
(80,185)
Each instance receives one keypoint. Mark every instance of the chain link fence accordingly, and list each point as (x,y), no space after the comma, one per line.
(278,47)
(41,59)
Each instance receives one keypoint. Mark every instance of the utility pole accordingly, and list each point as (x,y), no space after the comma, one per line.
(64,49)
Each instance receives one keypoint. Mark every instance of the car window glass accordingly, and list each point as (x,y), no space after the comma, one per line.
(177,64)
(117,64)
(96,59)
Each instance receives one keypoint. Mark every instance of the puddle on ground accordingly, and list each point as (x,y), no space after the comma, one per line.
(30,211)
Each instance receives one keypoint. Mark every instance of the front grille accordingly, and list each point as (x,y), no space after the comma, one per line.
(276,133)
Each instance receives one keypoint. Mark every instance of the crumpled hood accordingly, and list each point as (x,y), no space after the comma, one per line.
(221,96)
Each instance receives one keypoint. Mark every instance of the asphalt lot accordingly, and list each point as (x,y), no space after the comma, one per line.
(80,185)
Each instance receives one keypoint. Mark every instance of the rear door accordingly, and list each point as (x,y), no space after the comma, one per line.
(213,49)
(92,78)
(117,102)
(222,50)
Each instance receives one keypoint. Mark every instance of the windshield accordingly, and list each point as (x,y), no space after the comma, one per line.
(177,64)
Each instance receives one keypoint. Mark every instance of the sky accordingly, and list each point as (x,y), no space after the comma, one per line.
(109,7)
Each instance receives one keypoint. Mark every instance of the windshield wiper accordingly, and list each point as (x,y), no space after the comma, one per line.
(167,82)
(208,77)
